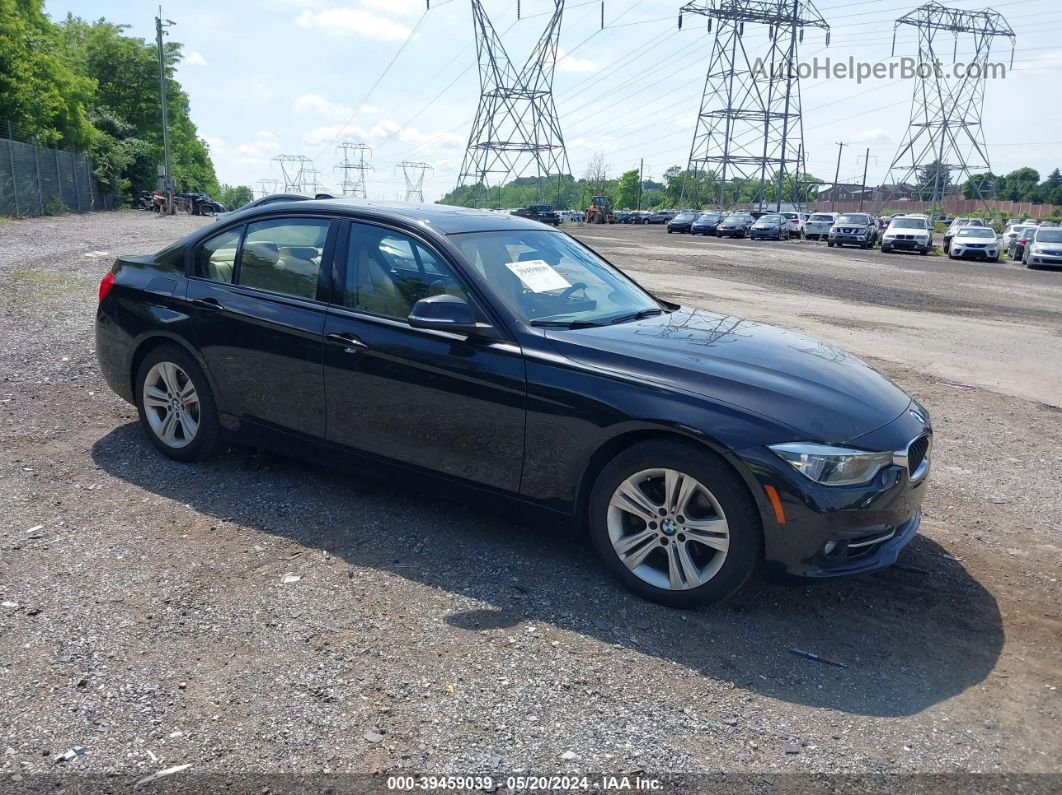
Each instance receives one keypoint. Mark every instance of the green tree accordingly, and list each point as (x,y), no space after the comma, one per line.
(234,196)
(1018,184)
(932,180)
(627,190)
(980,186)
(41,95)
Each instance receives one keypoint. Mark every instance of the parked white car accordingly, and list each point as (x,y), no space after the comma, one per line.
(796,223)
(818,225)
(978,242)
(908,233)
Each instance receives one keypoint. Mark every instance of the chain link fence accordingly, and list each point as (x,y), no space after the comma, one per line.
(36,180)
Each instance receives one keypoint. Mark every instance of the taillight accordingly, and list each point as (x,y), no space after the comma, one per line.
(106,283)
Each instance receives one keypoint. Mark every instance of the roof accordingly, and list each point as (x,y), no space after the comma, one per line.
(442,218)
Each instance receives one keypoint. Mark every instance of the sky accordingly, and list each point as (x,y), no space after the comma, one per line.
(298,77)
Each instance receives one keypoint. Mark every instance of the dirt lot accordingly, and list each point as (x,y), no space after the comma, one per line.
(145,618)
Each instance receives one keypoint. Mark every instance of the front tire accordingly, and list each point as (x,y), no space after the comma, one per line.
(176,405)
(675,524)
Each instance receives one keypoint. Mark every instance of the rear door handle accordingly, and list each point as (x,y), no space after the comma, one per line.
(351,341)
(209,304)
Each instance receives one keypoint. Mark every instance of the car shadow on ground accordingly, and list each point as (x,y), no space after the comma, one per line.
(911,637)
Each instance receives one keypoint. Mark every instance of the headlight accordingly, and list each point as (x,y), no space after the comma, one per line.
(832,466)
(1036,248)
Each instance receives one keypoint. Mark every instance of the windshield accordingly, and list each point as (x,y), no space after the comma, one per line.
(819,217)
(710,216)
(852,219)
(769,219)
(739,217)
(548,278)
(1049,236)
(908,223)
(975,231)
(685,217)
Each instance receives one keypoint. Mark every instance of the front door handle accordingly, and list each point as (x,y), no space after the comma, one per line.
(209,304)
(351,341)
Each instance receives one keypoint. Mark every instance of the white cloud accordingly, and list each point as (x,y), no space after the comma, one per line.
(260,150)
(874,135)
(385,128)
(216,144)
(315,104)
(193,58)
(567,63)
(403,7)
(353,21)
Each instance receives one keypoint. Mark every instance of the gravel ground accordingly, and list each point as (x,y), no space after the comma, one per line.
(257,614)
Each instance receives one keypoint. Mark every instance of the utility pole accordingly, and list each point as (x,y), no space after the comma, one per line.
(414,176)
(354,185)
(167,169)
(749,123)
(945,131)
(836,176)
(641,165)
(866,163)
(517,127)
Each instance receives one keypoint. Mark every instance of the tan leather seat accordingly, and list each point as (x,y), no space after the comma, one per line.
(376,291)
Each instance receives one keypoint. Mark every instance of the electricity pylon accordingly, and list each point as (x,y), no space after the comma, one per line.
(414,174)
(267,186)
(516,128)
(293,169)
(945,137)
(749,126)
(354,169)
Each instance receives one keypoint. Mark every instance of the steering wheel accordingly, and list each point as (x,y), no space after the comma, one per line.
(568,292)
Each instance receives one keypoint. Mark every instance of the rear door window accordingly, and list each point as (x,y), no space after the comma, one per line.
(216,258)
(283,255)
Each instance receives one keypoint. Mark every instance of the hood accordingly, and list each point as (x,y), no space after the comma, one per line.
(823,392)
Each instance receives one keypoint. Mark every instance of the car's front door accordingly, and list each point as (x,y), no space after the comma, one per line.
(432,399)
(259,321)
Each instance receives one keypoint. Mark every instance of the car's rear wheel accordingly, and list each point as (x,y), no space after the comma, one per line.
(675,524)
(176,404)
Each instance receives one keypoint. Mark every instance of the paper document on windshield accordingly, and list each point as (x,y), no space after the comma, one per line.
(538,276)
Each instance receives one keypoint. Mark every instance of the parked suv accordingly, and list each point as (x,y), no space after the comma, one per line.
(796,223)
(662,216)
(541,212)
(907,233)
(853,229)
(818,225)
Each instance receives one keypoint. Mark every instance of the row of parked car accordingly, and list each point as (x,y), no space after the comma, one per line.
(1030,241)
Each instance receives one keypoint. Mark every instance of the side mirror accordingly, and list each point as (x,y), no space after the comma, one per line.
(445,313)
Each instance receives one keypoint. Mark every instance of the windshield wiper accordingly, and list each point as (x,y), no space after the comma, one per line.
(566,323)
(636,315)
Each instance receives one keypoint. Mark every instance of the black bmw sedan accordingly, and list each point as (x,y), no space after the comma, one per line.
(494,357)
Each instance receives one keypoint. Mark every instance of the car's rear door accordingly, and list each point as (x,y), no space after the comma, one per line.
(258,316)
(425,398)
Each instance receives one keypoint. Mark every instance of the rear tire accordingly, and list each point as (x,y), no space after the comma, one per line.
(703,546)
(176,405)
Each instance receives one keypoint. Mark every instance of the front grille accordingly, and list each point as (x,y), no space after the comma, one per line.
(1053,253)
(916,453)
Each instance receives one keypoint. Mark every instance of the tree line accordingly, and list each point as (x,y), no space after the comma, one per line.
(90,87)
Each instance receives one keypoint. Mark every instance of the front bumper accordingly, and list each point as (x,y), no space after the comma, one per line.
(960,252)
(855,240)
(731,231)
(840,531)
(776,234)
(1044,258)
(904,244)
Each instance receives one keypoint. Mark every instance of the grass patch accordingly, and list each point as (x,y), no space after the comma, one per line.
(30,287)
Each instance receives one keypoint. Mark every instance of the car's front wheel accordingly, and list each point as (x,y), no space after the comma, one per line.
(675,524)
(176,404)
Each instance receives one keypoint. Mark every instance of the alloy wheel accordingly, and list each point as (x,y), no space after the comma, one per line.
(171,405)
(668,529)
